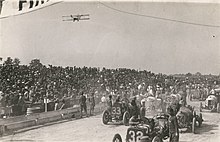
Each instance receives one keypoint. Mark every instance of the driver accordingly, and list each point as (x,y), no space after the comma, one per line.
(117,101)
(109,103)
(117,104)
(173,126)
(134,112)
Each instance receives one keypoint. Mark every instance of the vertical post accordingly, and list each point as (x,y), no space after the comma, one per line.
(45,102)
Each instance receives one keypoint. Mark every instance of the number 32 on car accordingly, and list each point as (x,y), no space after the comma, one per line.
(134,136)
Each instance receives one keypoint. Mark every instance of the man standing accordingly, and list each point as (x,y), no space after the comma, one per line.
(56,101)
(92,104)
(82,102)
(134,108)
(173,126)
(109,106)
(109,103)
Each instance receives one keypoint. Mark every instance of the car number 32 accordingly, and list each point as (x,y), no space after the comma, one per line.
(135,136)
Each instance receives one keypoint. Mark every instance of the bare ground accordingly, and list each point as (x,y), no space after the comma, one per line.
(91,129)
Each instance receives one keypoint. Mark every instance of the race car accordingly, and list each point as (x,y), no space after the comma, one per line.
(173,101)
(152,103)
(187,118)
(212,102)
(142,132)
(118,112)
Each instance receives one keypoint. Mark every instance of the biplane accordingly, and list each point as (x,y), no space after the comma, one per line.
(76,18)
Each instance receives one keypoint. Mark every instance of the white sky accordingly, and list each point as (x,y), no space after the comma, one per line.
(113,39)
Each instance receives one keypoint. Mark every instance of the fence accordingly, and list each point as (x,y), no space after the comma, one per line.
(6,111)
(68,103)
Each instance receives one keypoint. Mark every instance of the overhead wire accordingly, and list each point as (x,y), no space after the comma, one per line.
(130,13)
(159,18)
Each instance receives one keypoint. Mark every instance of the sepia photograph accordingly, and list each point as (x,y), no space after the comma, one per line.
(109,71)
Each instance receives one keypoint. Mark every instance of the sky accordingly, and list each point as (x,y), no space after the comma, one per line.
(114,39)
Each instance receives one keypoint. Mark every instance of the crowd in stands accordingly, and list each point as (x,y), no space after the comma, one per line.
(34,82)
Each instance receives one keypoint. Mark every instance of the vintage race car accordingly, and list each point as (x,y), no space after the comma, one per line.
(172,100)
(187,118)
(195,94)
(142,132)
(152,103)
(118,112)
(212,103)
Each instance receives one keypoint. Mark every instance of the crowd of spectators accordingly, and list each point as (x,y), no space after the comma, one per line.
(34,82)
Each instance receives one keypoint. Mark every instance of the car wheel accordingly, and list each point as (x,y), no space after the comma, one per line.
(153,108)
(193,125)
(194,113)
(105,117)
(218,108)
(200,107)
(126,117)
(157,139)
(117,138)
(200,119)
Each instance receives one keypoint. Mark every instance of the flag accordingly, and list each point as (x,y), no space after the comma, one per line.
(16,7)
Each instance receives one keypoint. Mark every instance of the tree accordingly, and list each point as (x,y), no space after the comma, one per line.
(198,74)
(16,61)
(188,74)
(35,64)
(9,61)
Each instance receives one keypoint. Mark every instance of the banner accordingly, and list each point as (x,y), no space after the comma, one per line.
(16,7)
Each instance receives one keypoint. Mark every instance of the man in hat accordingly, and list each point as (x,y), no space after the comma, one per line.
(134,108)
(173,126)
(92,103)
(109,103)
(82,102)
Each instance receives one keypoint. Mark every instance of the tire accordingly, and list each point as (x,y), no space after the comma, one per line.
(117,138)
(142,112)
(194,113)
(157,139)
(218,108)
(201,119)
(153,108)
(105,117)
(193,108)
(126,117)
(200,107)
(194,125)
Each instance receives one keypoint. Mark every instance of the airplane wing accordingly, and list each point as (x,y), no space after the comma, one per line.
(84,18)
(84,15)
(68,20)
(76,17)
(81,15)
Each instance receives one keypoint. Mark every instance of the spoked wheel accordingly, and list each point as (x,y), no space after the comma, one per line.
(194,113)
(117,138)
(218,107)
(157,139)
(200,107)
(200,119)
(194,125)
(153,108)
(126,118)
(105,117)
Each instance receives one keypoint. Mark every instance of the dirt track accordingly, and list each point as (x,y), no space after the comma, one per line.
(92,130)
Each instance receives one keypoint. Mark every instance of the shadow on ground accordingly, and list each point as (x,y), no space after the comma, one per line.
(206,128)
